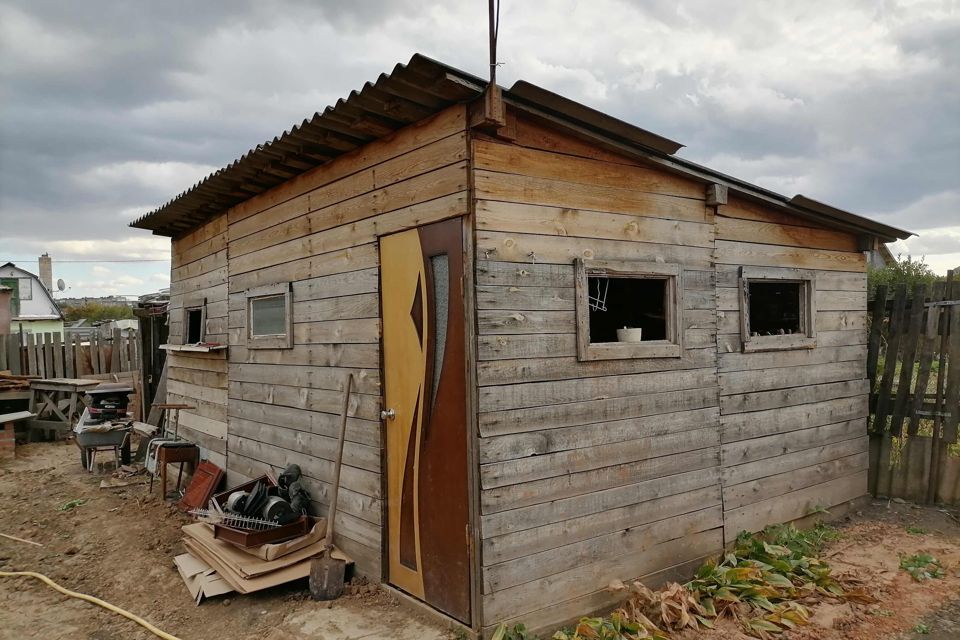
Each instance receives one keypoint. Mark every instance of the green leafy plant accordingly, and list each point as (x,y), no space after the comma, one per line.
(760,584)
(916,531)
(922,629)
(71,504)
(922,566)
(904,271)
(94,311)
(617,626)
(516,632)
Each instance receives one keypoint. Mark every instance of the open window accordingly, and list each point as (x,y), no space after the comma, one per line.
(628,310)
(195,323)
(270,317)
(777,309)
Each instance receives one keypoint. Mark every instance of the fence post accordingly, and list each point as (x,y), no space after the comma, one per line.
(897,319)
(944,334)
(912,329)
(876,326)
(68,352)
(13,353)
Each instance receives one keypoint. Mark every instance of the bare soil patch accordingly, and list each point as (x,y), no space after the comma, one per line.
(119,545)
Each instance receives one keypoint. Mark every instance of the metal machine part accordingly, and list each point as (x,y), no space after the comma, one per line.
(235,501)
(278,510)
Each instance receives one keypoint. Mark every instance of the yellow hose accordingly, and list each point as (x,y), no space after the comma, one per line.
(97,601)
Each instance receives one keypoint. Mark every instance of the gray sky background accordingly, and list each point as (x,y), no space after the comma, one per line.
(108,109)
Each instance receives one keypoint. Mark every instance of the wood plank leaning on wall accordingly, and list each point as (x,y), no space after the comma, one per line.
(625,482)
(793,423)
(319,232)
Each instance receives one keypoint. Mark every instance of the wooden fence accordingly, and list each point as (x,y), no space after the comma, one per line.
(51,355)
(913,363)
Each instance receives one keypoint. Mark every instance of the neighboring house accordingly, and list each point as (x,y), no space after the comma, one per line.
(511,450)
(32,307)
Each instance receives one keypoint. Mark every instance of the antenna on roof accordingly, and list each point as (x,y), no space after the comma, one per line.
(494,114)
(494,27)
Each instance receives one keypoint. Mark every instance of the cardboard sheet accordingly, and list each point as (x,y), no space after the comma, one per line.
(248,585)
(279,549)
(247,565)
(202,580)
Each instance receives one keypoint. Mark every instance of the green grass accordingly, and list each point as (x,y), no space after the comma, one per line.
(922,566)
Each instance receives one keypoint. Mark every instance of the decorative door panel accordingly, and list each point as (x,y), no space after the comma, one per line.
(425,399)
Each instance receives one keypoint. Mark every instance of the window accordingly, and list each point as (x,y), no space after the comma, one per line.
(777,309)
(194,326)
(26,288)
(194,320)
(628,310)
(269,317)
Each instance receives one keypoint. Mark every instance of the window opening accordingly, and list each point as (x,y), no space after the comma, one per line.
(775,308)
(628,303)
(194,326)
(628,309)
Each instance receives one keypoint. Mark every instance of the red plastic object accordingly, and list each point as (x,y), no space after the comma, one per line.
(206,480)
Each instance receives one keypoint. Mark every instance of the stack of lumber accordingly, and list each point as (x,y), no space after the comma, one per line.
(216,567)
(11,382)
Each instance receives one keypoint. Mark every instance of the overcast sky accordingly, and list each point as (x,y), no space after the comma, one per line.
(108,109)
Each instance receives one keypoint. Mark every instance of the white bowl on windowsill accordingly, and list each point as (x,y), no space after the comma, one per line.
(629,334)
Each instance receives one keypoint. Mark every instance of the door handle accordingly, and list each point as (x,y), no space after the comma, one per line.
(388,414)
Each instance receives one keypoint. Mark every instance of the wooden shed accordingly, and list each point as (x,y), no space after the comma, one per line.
(514,444)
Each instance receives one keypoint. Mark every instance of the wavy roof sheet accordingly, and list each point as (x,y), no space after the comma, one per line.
(416,91)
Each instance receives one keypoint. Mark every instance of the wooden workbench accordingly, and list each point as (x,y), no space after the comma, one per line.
(58,402)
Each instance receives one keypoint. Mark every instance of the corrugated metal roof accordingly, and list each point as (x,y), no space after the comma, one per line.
(409,94)
(416,91)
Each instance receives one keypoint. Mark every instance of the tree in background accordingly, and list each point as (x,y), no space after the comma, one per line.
(904,271)
(95,311)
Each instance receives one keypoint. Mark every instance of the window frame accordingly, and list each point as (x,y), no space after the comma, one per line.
(672,347)
(195,305)
(273,341)
(807,339)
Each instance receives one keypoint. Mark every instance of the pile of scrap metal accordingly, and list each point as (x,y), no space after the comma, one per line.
(251,537)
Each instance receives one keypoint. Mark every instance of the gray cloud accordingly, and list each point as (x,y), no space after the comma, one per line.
(109,109)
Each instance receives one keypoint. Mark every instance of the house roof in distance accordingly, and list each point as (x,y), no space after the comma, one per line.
(416,91)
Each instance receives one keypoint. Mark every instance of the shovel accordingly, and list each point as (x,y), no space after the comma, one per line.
(327,572)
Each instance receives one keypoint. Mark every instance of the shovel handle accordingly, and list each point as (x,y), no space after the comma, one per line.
(332,512)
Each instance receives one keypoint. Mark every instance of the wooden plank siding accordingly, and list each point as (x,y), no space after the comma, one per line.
(261,409)
(793,423)
(321,237)
(589,471)
(198,273)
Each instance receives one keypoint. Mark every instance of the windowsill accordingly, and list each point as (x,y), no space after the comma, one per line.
(631,350)
(778,343)
(200,347)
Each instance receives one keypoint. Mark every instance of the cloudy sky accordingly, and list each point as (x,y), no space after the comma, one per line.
(108,109)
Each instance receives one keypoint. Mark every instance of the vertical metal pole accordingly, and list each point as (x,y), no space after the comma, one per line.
(493,20)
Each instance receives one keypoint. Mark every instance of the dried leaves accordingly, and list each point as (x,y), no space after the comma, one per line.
(762,584)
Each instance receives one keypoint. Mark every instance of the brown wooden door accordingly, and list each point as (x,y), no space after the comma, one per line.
(425,388)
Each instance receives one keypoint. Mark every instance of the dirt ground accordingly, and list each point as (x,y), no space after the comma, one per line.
(869,551)
(119,545)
